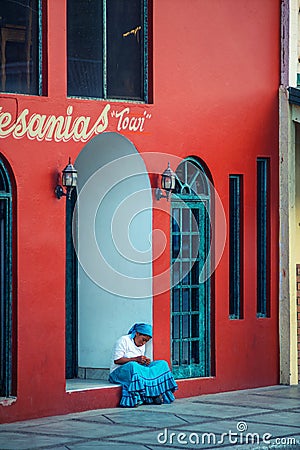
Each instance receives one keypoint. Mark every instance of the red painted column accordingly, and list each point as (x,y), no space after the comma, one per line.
(57,49)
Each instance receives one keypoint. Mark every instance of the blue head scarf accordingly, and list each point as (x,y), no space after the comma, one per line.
(143,328)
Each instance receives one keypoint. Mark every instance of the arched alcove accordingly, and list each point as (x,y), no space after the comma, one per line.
(112,226)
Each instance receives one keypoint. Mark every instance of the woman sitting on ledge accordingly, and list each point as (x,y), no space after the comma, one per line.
(142,381)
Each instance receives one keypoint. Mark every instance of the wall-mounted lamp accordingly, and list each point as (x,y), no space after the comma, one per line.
(168,179)
(69,181)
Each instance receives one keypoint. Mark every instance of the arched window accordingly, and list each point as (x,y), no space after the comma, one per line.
(5,282)
(191,291)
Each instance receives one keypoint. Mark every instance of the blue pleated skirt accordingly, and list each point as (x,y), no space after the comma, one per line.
(141,383)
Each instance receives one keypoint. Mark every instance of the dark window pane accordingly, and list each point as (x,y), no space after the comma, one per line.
(195,246)
(185,246)
(263,251)
(85,51)
(191,172)
(175,245)
(175,220)
(176,300)
(195,352)
(19,46)
(195,220)
(175,327)
(195,299)
(186,220)
(186,273)
(185,300)
(235,246)
(185,359)
(180,172)
(3,182)
(195,273)
(175,355)
(176,273)
(200,185)
(125,36)
(195,325)
(196,179)
(186,326)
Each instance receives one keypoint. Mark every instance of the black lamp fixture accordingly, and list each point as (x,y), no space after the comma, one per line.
(168,179)
(69,181)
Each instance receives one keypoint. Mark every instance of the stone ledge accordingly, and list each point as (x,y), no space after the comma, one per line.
(88,373)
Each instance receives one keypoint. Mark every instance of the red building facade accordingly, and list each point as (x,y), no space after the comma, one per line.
(205,100)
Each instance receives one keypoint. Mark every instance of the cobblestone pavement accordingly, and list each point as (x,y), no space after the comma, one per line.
(264,418)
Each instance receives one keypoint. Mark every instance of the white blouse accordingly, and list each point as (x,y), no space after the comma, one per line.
(125,347)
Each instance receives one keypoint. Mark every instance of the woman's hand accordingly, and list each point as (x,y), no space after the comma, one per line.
(139,359)
(143,360)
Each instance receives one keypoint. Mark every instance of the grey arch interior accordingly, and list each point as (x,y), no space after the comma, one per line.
(112,228)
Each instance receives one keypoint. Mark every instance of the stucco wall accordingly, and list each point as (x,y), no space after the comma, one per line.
(215,96)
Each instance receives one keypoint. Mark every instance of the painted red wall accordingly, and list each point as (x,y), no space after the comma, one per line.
(215,96)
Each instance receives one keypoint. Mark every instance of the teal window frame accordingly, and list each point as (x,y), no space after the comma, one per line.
(190,300)
(142,33)
(5,282)
(263,237)
(235,246)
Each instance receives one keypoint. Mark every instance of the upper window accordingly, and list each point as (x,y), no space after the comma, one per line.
(107,49)
(20,44)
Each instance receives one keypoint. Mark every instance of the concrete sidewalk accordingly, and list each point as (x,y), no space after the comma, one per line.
(265,418)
